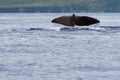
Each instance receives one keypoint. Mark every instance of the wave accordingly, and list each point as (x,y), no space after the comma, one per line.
(67,29)
(105,29)
(111,29)
(38,29)
(81,29)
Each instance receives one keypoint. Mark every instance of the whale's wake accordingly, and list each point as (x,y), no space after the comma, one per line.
(110,29)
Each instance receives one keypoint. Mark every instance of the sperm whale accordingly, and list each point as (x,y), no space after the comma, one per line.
(75,20)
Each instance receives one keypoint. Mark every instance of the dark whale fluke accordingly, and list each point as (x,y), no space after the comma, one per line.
(65,20)
(75,20)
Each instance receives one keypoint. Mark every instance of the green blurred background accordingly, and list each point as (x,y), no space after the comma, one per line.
(55,6)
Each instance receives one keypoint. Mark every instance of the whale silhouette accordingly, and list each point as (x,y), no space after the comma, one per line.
(75,20)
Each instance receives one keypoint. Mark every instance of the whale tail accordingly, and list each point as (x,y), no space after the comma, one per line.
(85,21)
(65,20)
(75,20)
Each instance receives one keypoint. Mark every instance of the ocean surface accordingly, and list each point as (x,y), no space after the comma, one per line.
(33,48)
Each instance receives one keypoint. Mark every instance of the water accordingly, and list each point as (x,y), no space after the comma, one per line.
(33,48)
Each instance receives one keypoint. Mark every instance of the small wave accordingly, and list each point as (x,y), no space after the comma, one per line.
(98,29)
(67,29)
(39,29)
(60,29)
(111,29)
(82,28)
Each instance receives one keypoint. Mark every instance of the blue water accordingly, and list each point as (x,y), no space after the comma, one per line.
(33,48)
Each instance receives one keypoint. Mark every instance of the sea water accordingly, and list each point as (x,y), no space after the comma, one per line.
(33,48)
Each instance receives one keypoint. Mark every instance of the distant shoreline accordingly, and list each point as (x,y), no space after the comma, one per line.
(46,10)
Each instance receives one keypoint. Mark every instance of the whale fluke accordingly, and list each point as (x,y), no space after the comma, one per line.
(65,20)
(75,20)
